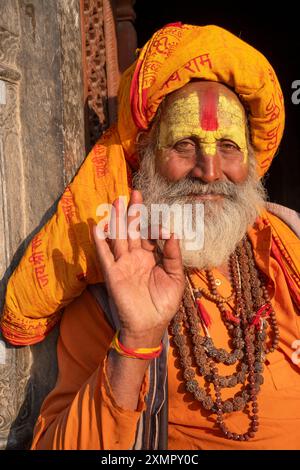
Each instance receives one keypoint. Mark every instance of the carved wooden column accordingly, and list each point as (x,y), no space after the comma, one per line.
(10,170)
(105,59)
(95,84)
(14,364)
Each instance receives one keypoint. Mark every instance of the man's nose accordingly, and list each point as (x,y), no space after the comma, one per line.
(207,167)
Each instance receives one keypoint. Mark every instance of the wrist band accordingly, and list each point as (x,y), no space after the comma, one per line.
(140,353)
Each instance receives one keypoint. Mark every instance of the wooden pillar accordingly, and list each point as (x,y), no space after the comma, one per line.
(126,34)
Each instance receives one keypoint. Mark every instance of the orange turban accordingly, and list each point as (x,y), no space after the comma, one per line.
(179,53)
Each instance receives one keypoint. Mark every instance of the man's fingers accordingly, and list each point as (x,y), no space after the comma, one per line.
(171,259)
(149,245)
(118,229)
(105,255)
(150,236)
(133,220)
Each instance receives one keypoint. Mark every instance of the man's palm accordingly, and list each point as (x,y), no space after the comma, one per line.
(146,292)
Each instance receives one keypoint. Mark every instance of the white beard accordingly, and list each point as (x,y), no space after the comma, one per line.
(226,220)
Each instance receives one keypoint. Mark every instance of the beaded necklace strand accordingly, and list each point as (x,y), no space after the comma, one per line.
(247,329)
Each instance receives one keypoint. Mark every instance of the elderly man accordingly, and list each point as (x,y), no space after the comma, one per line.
(172,346)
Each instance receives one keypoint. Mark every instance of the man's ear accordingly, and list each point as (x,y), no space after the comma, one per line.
(149,137)
(142,138)
(146,138)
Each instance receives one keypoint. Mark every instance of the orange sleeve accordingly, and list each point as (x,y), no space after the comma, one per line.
(81,413)
(61,259)
(92,421)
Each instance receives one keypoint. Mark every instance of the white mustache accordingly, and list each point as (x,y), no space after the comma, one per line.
(189,187)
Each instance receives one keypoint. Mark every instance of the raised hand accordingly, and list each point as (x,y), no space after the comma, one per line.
(147,293)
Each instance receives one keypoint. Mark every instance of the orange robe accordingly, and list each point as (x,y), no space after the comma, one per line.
(80,413)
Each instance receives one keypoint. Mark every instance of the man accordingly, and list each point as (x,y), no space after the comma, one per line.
(205,355)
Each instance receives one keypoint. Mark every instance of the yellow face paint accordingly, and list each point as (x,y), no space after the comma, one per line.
(191,116)
(233,123)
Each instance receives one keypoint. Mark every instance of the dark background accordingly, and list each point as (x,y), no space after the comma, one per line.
(273,30)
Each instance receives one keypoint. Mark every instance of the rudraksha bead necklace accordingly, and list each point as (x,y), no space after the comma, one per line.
(247,329)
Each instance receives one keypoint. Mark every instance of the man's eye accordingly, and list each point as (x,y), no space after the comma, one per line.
(184,146)
(228,145)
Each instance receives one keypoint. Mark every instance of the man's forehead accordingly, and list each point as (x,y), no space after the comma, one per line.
(208,94)
(206,110)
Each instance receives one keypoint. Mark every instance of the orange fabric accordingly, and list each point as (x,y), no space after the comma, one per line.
(61,259)
(81,414)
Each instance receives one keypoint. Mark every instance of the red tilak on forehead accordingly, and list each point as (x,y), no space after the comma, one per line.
(209,118)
